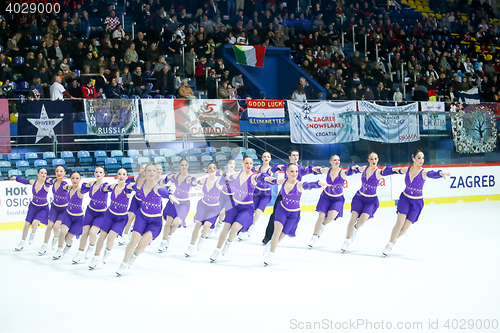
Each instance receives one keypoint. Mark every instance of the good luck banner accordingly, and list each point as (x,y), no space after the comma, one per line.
(112,116)
(389,124)
(323,122)
(159,119)
(266,112)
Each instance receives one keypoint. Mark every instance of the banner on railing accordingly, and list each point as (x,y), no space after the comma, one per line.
(4,127)
(389,124)
(433,121)
(201,117)
(474,128)
(159,119)
(112,116)
(323,122)
(43,119)
(266,112)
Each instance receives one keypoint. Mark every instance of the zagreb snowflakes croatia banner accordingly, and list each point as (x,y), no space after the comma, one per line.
(390,124)
(159,119)
(201,117)
(433,116)
(112,116)
(323,122)
(266,112)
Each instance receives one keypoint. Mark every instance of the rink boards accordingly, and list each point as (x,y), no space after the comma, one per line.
(465,184)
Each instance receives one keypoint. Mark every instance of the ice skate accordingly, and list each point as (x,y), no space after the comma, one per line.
(312,241)
(354,233)
(90,251)
(268,258)
(20,246)
(58,254)
(105,257)
(163,245)
(54,242)
(210,231)
(94,262)
(32,238)
(321,230)
(250,230)
(123,267)
(43,249)
(218,225)
(123,240)
(66,248)
(78,256)
(267,249)
(201,240)
(242,235)
(388,249)
(226,247)
(215,255)
(189,250)
(344,247)
(132,259)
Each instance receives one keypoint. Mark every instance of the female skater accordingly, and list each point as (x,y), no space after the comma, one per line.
(38,209)
(134,205)
(175,214)
(331,202)
(72,220)
(93,214)
(365,202)
(208,208)
(262,195)
(57,208)
(226,194)
(288,211)
(148,218)
(239,218)
(115,218)
(411,201)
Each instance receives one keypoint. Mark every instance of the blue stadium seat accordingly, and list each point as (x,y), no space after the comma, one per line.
(49,156)
(5,166)
(111,164)
(143,159)
(206,159)
(22,165)
(128,164)
(57,162)
(100,157)
(31,157)
(132,152)
(84,158)
(195,152)
(159,96)
(68,158)
(251,151)
(40,164)
(211,150)
(161,160)
(146,96)
(226,150)
(15,172)
(13,158)
(31,174)
(117,154)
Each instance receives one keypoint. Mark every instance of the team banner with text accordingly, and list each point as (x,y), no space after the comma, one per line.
(4,127)
(266,112)
(201,117)
(159,119)
(388,124)
(433,121)
(112,116)
(323,122)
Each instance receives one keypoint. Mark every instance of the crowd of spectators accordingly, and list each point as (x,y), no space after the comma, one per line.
(181,40)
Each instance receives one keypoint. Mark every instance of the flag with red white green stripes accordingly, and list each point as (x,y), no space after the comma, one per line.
(250,55)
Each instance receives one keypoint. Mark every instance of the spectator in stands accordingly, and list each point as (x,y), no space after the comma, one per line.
(185,90)
(112,21)
(128,83)
(57,91)
(237,80)
(212,84)
(114,90)
(164,84)
(131,57)
(222,92)
(75,90)
(175,48)
(305,86)
(200,73)
(140,84)
(118,34)
(88,89)
(190,59)
(299,94)
(152,56)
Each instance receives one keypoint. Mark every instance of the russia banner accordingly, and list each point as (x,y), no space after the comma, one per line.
(389,124)
(266,112)
(433,116)
(323,122)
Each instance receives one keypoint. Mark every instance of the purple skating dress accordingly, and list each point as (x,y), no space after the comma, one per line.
(135,203)
(411,201)
(226,193)
(73,218)
(149,216)
(262,194)
(116,216)
(60,202)
(208,208)
(288,210)
(242,212)
(98,204)
(332,197)
(38,208)
(181,192)
(366,200)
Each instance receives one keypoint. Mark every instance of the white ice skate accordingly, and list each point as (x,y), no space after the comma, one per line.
(388,249)
(90,251)
(43,249)
(344,247)
(250,230)
(226,247)
(58,254)
(20,246)
(242,235)
(267,249)
(132,259)
(163,245)
(94,262)
(321,230)
(218,225)
(201,240)
(66,248)
(78,256)
(123,240)
(312,241)
(123,267)
(215,255)
(268,258)
(210,231)
(105,257)
(354,233)
(54,242)
(32,237)
(189,250)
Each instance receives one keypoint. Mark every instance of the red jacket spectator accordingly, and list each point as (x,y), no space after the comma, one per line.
(89,92)
(200,69)
(325,62)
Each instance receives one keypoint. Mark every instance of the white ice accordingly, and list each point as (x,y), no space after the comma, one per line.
(445,267)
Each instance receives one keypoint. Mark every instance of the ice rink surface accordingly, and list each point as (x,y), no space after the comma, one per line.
(445,267)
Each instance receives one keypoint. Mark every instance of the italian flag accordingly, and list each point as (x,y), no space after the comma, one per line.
(250,55)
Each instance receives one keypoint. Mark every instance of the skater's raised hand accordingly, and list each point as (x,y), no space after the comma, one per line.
(173,199)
